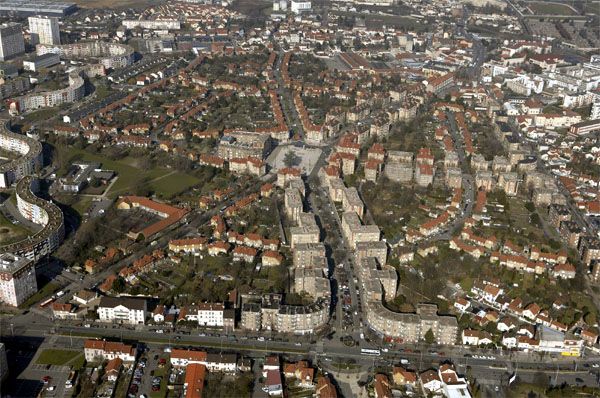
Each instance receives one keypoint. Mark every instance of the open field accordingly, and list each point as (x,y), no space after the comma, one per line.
(47,290)
(52,356)
(9,232)
(162,181)
(547,8)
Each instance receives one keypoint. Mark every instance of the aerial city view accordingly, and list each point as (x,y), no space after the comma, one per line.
(299,198)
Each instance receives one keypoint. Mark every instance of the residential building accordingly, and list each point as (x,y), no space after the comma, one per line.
(11,40)
(17,279)
(44,30)
(125,310)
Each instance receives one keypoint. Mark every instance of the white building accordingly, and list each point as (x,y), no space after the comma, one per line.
(298,7)
(107,350)
(44,30)
(17,279)
(210,314)
(122,310)
(11,40)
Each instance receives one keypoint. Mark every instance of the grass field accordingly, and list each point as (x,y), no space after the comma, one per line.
(53,356)
(162,181)
(10,233)
(546,8)
(44,292)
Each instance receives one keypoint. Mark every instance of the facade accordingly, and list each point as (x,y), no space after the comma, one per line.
(27,163)
(107,350)
(11,41)
(17,279)
(40,212)
(44,30)
(47,99)
(124,310)
(111,55)
(42,61)
(210,314)
(412,328)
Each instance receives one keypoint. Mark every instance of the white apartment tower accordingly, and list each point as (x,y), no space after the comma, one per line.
(11,40)
(17,279)
(44,30)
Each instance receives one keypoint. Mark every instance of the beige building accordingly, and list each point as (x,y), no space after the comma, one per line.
(412,328)
(293,204)
(484,180)
(305,253)
(355,232)
(509,182)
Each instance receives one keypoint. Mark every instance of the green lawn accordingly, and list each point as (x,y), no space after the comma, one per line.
(546,8)
(10,233)
(44,292)
(131,176)
(173,184)
(164,373)
(53,356)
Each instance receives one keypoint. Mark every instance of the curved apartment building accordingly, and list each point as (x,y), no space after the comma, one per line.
(47,99)
(41,212)
(111,55)
(30,156)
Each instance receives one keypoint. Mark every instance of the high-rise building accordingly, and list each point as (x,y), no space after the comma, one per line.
(44,30)
(17,279)
(11,40)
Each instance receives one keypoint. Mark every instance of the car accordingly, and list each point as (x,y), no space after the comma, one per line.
(579,380)
(156,357)
(595,365)
(46,379)
(155,388)
(52,388)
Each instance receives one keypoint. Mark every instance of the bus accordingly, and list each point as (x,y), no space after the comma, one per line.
(369,351)
(46,302)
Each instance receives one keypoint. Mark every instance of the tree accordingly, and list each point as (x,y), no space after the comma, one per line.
(118,285)
(429,337)
(290,158)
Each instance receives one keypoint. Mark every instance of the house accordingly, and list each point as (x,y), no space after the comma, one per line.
(403,377)
(158,315)
(325,389)
(108,350)
(505,324)
(273,383)
(271,363)
(195,375)
(531,311)
(382,386)
(210,314)
(126,310)
(112,369)
(300,371)
(431,382)
(462,304)
(84,297)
